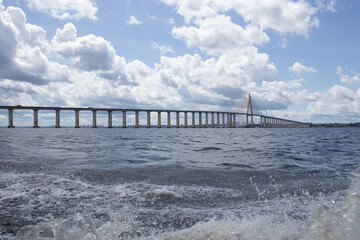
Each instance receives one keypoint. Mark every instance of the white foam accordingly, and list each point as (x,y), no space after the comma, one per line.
(285,217)
(261,227)
(340,221)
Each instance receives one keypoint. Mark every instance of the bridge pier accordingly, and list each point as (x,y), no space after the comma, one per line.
(193,120)
(148,119)
(159,119)
(185,119)
(77,118)
(36,118)
(57,118)
(109,119)
(177,119)
(94,119)
(124,119)
(11,118)
(136,119)
(206,120)
(212,120)
(168,119)
(200,120)
(223,120)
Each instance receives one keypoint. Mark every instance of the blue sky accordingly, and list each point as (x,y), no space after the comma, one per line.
(298,59)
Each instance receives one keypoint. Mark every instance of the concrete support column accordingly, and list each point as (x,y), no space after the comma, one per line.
(206,120)
(57,118)
(193,120)
(177,119)
(36,118)
(223,120)
(11,118)
(229,120)
(109,119)
(94,119)
(136,119)
(247,120)
(212,120)
(218,120)
(200,120)
(159,119)
(185,120)
(148,125)
(77,119)
(124,119)
(168,119)
(234,120)
(265,122)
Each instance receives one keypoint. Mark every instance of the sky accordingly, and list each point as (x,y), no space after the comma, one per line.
(298,59)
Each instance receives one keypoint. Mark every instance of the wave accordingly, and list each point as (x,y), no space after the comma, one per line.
(141,211)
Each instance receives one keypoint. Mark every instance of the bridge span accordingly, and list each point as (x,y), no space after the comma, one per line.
(213,119)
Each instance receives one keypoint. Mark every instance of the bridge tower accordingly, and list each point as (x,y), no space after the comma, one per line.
(249,107)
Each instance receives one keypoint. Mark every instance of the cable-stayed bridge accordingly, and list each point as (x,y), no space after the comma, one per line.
(198,118)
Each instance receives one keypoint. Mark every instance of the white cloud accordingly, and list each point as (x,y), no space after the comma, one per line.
(283,43)
(219,34)
(300,69)
(326,5)
(25,51)
(88,53)
(338,101)
(66,9)
(133,21)
(163,48)
(284,16)
(345,78)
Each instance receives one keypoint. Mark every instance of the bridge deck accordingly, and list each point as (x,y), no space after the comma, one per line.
(266,121)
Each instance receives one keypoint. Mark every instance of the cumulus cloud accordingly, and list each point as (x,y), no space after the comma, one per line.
(284,16)
(66,9)
(300,69)
(163,48)
(347,79)
(89,53)
(133,21)
(25,51)
(345,103)
(219,34)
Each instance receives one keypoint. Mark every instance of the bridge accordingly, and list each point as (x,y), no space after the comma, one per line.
(218,119)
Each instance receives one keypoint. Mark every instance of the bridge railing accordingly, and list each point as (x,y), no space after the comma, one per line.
(217,118)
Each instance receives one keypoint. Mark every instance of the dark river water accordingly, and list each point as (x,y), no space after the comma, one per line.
(179,183)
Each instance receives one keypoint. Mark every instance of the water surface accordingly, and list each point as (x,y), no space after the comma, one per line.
(179,183)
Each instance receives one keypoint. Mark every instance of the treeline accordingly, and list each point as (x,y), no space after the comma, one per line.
(335,124)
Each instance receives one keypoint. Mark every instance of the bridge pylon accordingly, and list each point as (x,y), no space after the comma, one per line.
(249,109)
